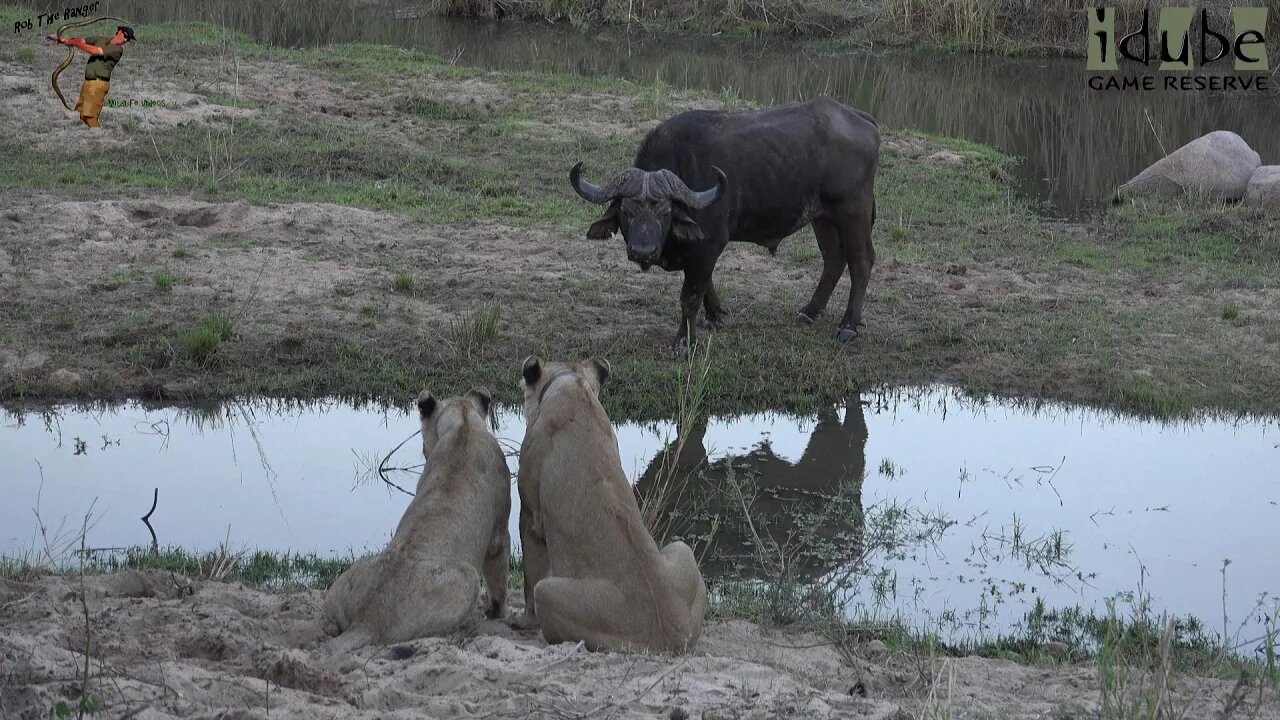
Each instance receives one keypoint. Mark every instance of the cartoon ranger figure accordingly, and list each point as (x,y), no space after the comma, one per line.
(104,52)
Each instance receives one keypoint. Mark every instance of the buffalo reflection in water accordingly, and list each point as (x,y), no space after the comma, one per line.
(807,514)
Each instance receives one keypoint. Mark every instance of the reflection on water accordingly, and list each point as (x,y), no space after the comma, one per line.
(807,513)
(1078,144)
(1067,506)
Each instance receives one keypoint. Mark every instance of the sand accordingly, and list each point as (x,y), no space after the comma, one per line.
(164,646)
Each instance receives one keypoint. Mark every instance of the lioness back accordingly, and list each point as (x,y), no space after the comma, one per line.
(453,533)
(592,570)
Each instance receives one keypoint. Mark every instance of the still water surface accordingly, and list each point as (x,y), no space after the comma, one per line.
(1130,501)
(1077,144)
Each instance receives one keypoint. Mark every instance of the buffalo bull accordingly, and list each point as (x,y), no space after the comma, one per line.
(760,176)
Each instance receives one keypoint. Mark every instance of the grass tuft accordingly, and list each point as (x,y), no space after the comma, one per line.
(201,344)
(471,335)
(403,284)
(164,281)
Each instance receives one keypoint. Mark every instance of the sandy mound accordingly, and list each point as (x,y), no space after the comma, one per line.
(163,646)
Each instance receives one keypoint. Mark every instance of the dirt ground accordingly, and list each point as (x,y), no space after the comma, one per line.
(163,646)
(99,298)
(309,290)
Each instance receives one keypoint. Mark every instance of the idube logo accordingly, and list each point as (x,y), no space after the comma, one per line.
(1240,51)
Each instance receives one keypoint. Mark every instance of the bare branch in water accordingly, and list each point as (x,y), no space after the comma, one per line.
(146,520)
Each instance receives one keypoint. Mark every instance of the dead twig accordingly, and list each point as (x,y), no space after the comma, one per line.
(383,469)
(572,651)
(146,520)
(84,605)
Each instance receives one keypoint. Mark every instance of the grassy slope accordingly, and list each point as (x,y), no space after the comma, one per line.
(1056,27)
(1134,311)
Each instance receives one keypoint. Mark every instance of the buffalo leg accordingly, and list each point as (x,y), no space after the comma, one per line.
(855,239)
(691,296)
(833,264)
(716,314)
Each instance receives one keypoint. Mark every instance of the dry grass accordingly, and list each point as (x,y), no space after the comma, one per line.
(1056,26)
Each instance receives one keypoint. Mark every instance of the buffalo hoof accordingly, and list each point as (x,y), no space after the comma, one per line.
(716,320)
(680,345)
(844,335)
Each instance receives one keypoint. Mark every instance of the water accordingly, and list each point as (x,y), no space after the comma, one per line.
(1077,144)
(1127,502)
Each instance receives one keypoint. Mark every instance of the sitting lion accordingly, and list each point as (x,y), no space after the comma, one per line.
(427,581)
(592,571)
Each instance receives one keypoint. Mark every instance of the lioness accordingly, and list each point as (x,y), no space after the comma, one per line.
(592,571)
(427,581)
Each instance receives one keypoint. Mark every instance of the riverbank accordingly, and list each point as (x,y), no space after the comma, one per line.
(1049,27)
(362,221)
(163,643)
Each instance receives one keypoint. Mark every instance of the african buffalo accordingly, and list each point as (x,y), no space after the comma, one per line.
(766,175)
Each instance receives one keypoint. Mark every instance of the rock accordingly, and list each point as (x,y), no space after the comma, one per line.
(1264,188)
(132,584)
(15,363)
(172,390)
(103,236)
(1218,164)
(64,381)
(946,157)
(906,147)
(293,669)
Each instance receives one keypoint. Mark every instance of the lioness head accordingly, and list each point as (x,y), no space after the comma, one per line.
(439,417)
(539,375)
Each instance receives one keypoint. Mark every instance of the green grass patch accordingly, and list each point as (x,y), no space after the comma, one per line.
(164,281)
(201,344)
(469,335)
(229,241)
(114,281)
(403,283)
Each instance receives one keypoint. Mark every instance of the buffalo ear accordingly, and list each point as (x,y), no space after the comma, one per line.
(606,225)
(684,228)
(532,370)
(480,396)
(602,368)
(426,404)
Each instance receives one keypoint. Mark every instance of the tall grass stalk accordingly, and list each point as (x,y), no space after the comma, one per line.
(661,496)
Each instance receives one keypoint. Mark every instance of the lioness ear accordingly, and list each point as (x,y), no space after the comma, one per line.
(602,369)
(684,228)
(426,404)
(481,397)
(606,226)
(532,370)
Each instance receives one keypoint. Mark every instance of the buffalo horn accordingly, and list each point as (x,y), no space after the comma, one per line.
(697,200)
(626,184)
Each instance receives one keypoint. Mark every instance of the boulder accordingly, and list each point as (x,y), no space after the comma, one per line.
(1264,188)
(12,362)
(64,381)
(1218,165)
(946,157)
